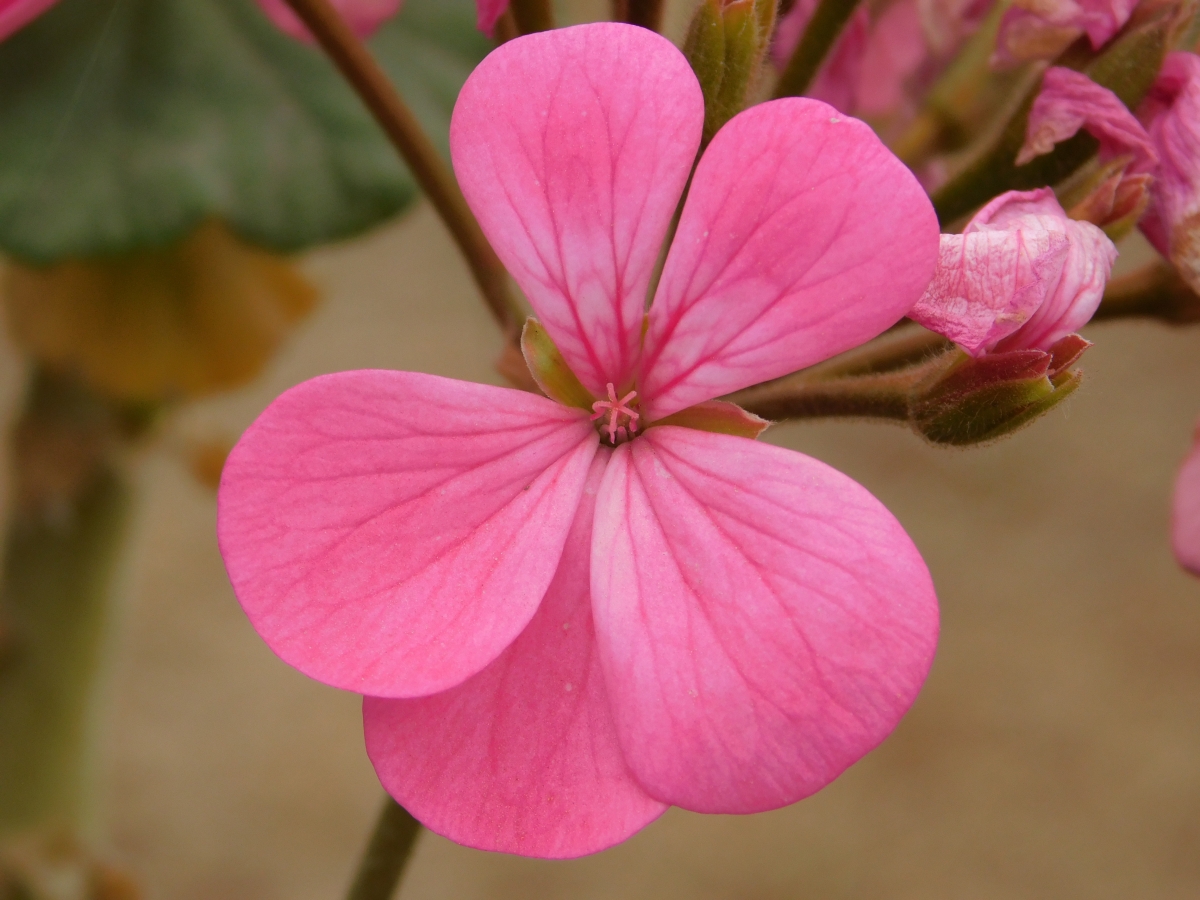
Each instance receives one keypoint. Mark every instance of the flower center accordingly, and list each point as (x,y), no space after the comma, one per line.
(623,418)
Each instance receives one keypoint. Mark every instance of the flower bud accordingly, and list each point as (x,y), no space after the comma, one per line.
(1172,116)
(1109,196)
(1021,276)
(978,400)
(1042,29)
(725,44)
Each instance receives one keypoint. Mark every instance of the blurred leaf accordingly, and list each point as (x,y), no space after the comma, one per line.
(200,316)
(124,123)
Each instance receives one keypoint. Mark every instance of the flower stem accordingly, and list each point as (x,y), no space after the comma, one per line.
(63,540)
(882,395)
(532,15)
(386,855)
(405,133)
(1155,291)
(819,37)
(647,13)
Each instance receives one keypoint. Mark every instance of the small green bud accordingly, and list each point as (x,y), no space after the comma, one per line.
(725,44)
(978,400)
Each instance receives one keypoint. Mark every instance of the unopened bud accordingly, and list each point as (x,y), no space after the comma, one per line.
(1108,196)
(725,44)
(979,400)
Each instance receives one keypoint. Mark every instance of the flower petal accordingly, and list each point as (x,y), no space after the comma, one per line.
(16,14)
(1185,512)
(523,757)
(572,147)
(391,533)
(763,621)
(802,236)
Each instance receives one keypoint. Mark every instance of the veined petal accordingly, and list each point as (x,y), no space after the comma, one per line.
(802,236)
(391,533)
(523,757)
(572,147)
(763,621)
(16,14)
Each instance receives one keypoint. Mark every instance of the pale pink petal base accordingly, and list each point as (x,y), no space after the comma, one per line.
(523,757)
(363,16)
(572,147)
(1185,513)
(763,621)
(802,236)
(391,533)
(16,14)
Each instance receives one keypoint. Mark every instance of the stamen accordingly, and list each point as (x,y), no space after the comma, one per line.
(618,429)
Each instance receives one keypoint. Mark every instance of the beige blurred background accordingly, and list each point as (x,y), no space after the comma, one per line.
(1055,751)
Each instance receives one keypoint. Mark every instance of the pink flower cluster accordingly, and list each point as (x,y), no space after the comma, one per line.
(566,617)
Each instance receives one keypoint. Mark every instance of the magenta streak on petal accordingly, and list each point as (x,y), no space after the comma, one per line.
(802,236)
(522,757)
(16,14)
(572,147)
(390,533)
(762,620)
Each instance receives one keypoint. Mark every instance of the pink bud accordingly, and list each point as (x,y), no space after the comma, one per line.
(1041,29)
(1172,116)
(1068,101)
(364,16)
(16,14)
(1021,276)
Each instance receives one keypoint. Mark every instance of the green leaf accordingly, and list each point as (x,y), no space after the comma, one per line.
(124,123)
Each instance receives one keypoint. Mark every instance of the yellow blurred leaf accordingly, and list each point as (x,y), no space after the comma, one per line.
(201,316)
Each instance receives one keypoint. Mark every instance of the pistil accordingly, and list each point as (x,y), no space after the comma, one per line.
(622,418)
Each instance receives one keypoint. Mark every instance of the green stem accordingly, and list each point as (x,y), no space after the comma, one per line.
(1155,291)
(819,37)
(430,170)
(61,549)
(877,396)
(387,854)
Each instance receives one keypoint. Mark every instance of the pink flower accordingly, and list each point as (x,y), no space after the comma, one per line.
(565,618)
(1041,29)
(1172,116)
(1185,512)
(1021,276)
(838,78)
(1068,101)
(364,16)
(16,14)
(883,61)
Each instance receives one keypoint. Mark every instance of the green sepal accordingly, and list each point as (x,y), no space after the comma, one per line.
(718,416)
(124,123)
(974,401)
(550,370)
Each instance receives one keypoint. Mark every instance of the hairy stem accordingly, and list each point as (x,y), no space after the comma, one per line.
(647,13)
(386,855)
(819,37)
(64,537)
(1155,291)
(405,133)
